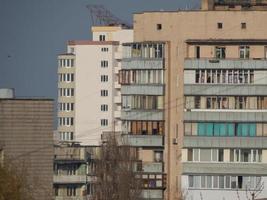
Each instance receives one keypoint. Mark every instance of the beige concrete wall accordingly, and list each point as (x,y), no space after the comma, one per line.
(146,155)
(177,27)
(26,130)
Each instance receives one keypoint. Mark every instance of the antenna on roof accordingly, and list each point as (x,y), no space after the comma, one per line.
(100,15)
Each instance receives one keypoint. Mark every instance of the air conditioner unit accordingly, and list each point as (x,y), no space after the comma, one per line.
(175,140)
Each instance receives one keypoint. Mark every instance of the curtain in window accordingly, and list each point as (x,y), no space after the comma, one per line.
(231,129)
(216,129)
(209,129)
(201,129)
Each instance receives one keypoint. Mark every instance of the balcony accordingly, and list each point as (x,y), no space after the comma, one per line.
(143,89)
(226,115)
(155,167)
(223,89)
(142,63)
(143,141)
(66,179)
(70,154)
(224,142)
(224,168)
(71,198)
(156,115)
(213,63)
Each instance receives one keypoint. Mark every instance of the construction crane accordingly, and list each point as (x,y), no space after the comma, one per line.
(100,15)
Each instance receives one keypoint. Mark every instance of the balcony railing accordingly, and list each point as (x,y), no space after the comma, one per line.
(213,63)
(64,179)
(143,140)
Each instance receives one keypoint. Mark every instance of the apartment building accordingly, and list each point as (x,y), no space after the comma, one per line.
(142,80)
(215,97)
(74,171)
(88,90)
(26,140)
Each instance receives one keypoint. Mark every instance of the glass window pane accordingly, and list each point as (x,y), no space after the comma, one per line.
(201,129)
(209,181)
(209,128)
(215,181)
(227,181)
(205,155)
(221,181)
(231,130)
(216,129)
(252,129)
(196,154)
(203,181)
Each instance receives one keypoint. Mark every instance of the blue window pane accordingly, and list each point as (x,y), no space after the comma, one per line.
(244,129)
(216,129)
(231,129)
(252,129)
(223,130)
(201,129)
(239,129)
(209,129)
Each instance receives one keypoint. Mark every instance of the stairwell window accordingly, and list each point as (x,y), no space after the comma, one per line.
(220,52)
(244,52)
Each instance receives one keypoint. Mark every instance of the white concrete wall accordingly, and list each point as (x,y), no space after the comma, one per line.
(88,129)
(88,85)
(217,194)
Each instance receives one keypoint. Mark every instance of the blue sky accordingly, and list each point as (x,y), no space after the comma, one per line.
(33,32)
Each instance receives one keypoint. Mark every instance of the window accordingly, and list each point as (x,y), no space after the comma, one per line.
(219,25)
(141,77)
(219,76)
(220,52)
(265,52)
(104,93)
(104,78)
(159,26)
(66,121)
(197,50)
(144,127)
(104,107)
(205,155)
(71,191)
(104,63)
(66,92)
(66,136)
(245,155)
(66,107)
(104,49)
(56,190)
(142,102)
(104,122)
(158,156)
(244,52)
(224,182)
(102,37)
(226,129)
(243,25)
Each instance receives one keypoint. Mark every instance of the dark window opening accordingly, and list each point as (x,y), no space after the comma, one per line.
(159,26)
(220,25)
(197,51)
(243,25)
